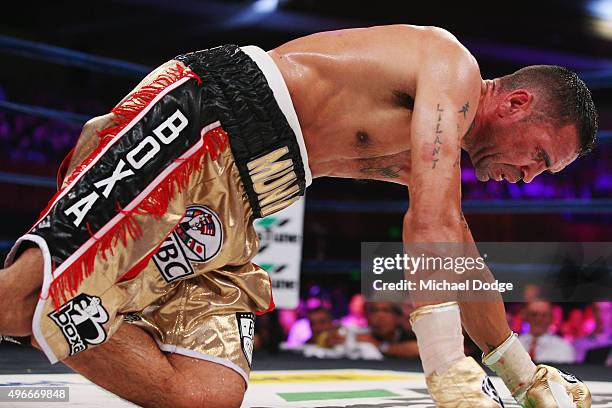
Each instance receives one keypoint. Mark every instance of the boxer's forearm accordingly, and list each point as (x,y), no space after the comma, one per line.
(485,322)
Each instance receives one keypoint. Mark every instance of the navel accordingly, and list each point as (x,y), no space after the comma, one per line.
(362,138)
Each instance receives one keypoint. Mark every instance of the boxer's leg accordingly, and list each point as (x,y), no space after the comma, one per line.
(19,288)
(132,366)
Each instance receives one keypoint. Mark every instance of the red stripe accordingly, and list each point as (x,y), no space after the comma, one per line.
(123,114)
(63,168)
(271,305)
(156,203)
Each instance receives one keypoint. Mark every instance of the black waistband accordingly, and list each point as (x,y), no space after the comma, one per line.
(264,146)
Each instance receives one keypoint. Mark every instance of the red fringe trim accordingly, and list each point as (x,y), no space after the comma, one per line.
(124,113)
(155,204)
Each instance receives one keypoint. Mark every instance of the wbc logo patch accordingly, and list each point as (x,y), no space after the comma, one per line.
(197,238)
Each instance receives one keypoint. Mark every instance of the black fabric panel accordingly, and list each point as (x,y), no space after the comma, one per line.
(235,90)
(59,230)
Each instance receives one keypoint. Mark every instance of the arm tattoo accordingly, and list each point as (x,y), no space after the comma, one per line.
(386,172)
(464,109)
(458,160)
(437,142)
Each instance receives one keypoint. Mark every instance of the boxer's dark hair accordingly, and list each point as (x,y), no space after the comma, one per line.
(565,99)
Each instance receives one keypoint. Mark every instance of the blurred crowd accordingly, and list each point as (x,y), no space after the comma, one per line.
(26,139)
(550,332)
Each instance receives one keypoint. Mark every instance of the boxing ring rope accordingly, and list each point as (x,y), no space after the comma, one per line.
(551,206)
(41,112)
(59,55)
(109,65)
(596,72)
(341,266)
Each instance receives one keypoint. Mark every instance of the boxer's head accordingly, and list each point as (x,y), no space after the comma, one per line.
(540,118)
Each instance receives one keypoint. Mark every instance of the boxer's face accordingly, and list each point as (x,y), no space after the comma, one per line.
(523,149)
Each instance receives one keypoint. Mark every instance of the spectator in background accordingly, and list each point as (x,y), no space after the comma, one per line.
(601,337)
(588,319)
(542,345)
(268,332)
(300,331)
(287,318)
(573,328)
(386,331)
(531,292)
(356,317)
(557,320)
(321,326)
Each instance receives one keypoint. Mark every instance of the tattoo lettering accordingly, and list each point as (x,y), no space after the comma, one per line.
(464,109)
(386,172)
(458,159)
(437,141)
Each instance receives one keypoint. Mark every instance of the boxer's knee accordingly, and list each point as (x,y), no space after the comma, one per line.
(231,396)
(227,396)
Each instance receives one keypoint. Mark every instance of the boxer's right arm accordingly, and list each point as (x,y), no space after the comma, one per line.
(448,89)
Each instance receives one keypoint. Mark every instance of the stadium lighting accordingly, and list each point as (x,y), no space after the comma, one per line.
(265,6)
(601,11)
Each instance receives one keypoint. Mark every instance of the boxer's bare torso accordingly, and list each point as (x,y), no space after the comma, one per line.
(391,103)
(355,93)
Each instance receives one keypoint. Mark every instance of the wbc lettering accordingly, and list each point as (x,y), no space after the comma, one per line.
(171,261)
(127,166)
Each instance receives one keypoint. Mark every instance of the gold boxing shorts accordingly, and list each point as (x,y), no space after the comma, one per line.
(152,226)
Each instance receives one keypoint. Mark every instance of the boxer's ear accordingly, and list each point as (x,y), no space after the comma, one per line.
(515,104)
